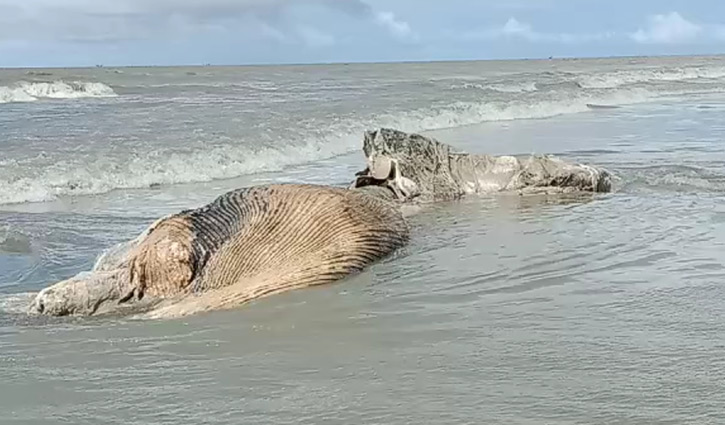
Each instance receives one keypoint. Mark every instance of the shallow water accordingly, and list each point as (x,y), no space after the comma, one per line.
(602,309)
(87,131)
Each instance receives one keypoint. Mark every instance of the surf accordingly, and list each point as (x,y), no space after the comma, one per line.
(24,91)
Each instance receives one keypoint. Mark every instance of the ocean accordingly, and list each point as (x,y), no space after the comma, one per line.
(501,310)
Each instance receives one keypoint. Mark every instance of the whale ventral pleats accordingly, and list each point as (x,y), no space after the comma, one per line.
(262,240)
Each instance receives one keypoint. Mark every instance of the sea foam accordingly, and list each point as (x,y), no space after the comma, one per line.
(242,157)
(24,91)
(459,101)
(621,78)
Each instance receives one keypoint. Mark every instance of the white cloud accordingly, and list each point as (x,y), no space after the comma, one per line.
(393,24)
(515,29)
(669,28)
(108,20)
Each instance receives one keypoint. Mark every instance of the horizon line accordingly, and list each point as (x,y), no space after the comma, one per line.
(362,62)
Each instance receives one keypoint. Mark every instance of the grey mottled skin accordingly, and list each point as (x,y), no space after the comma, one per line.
(436,172)
(262,240)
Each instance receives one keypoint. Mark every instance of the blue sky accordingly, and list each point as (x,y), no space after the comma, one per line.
(162,32)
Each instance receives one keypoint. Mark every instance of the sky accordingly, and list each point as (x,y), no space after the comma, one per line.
(174,32)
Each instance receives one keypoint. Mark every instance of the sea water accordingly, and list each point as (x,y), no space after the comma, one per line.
(603,309)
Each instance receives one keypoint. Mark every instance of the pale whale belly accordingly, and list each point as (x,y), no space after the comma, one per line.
(246,244)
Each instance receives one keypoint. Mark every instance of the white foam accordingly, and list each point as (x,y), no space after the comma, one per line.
(15,94)
(468,113)
(241,158)
(523,87)
(616,79)
(24,91)
(153,169)
(16,303)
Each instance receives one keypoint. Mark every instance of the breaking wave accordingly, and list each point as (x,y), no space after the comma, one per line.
(621,78)
(523,87)
(24,91)
(242,157)
(16,303)
(452,102)
(14,242)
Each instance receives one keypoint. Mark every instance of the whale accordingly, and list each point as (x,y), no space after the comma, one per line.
(262,240)
(246,244)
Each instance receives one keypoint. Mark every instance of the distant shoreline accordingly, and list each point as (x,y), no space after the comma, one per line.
(313,64)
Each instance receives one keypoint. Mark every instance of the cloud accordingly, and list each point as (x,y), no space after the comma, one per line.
(315,38)
(393,24)
(515,29)
(109,20)
(672,28)
(669,28)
